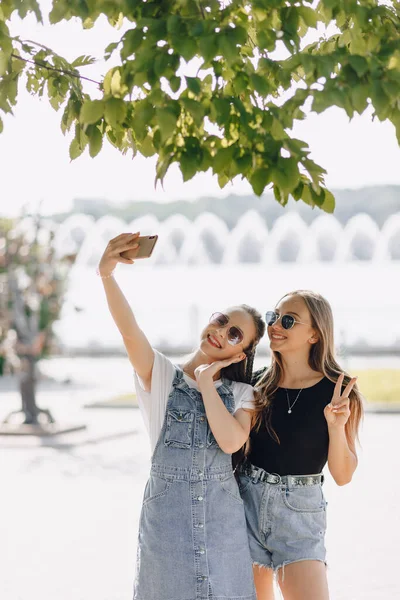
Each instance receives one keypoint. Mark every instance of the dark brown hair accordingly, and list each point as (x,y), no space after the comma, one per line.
(243,370)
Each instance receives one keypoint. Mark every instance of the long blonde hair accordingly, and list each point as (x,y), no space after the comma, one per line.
(321,359)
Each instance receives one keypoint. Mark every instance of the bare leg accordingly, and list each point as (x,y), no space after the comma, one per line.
(263,579)
(304,580)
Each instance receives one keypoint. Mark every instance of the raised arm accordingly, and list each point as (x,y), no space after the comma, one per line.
(137,345)
(342,457)
(230,431)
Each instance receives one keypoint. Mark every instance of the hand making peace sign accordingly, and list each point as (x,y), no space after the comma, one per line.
(337,412)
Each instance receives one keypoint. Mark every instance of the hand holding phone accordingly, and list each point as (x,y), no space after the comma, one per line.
(146,247)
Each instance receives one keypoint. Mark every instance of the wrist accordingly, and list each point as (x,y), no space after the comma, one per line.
(336,428)
(205,381)
(105,274)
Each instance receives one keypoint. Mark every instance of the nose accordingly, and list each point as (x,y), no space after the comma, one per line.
(221,331)
(277,325)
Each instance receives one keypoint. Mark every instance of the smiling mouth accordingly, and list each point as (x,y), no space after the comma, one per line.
(275,336)
(213,341)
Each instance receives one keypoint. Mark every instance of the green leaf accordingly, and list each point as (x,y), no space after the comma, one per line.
(110,49)
(395,119)
(88,23)
(132,40)
(286,174)
(115,111)
(266,39)
(244,163)
(208,46)
(175,25)
(223,158)
(116,83)
(298,191)
(185,46)
(146,148)
(329,202)
(83,61)
(4,61)
(162,166)
(1,126)
(222,108)
(359,97)
(318,198)
(260,179)
(359,64)
(188,163)
(228,48)
(175,83)
(260,84)
(92,111)
(379,99)
(195,108)
(194,85)
(95,141)
(223,180)
(161,64)
(75,149)
(241,82)
(167,122)
(306,195)
(309,16)
(277,131)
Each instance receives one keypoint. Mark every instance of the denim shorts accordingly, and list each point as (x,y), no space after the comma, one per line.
(286,521)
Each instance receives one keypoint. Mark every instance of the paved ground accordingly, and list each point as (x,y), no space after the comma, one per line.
(69,508)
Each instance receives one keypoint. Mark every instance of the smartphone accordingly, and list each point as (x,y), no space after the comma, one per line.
(146,247)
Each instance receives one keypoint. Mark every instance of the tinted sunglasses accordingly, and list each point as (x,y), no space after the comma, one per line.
(288,321)
(234,335)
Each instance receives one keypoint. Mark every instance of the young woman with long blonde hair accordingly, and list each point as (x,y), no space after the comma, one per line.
(307,414)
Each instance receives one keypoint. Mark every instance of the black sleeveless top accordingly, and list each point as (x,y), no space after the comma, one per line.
(303,434)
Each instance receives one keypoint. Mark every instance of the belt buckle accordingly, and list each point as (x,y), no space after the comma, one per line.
(275,478)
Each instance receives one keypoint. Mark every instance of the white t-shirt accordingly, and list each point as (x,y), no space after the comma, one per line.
(153,404)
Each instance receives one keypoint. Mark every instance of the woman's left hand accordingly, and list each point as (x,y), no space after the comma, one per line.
(337,413)
(206,372)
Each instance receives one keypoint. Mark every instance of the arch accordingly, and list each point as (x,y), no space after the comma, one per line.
(247,240)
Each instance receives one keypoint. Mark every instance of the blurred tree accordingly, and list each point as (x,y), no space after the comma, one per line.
(233,116)
(32,285)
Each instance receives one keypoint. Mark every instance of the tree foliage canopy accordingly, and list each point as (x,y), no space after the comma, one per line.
(234,116)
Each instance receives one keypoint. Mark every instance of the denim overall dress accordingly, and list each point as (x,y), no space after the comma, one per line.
(192,533)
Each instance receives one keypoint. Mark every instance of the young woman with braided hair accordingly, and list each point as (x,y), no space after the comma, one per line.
(307,414)
(192,531)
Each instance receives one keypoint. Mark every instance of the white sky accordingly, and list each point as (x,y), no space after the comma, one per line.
(35,165)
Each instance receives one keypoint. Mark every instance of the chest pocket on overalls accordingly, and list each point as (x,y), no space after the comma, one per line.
(179,428)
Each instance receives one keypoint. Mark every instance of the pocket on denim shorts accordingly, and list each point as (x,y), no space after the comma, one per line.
(308,498)
(156,487)
(179,428)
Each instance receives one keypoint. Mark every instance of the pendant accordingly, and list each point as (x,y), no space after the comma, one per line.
(289,411)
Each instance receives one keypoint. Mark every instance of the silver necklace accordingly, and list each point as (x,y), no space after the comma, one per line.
(288,401)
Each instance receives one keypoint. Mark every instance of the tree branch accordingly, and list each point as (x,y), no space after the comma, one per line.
(39,63)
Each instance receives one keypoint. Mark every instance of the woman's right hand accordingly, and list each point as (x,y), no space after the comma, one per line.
(112,254)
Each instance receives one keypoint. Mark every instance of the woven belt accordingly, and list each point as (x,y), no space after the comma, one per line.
(258,474)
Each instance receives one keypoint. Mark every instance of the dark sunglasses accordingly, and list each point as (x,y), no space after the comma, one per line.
(234,335)
(287,321)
